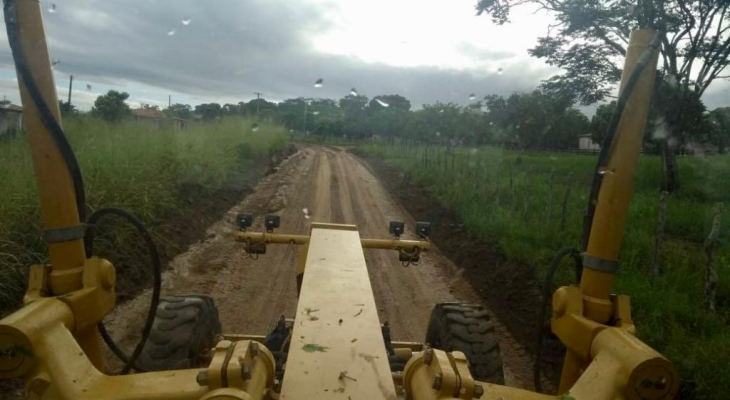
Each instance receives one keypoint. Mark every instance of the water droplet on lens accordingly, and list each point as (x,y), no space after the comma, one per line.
(472,96)
(186,21)
(55,62)
(315,113)
(353,92)
(171,32)
(255,127)
(319,83)
(52,8)
(604,171)
(382,103)
(88,87)
(500,71)
(438,134)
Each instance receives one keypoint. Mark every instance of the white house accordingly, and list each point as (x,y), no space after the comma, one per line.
(585,142)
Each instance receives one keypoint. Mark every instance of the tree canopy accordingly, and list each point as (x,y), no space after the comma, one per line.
(111,106)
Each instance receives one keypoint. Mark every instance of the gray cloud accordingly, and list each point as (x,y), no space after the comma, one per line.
(233,48)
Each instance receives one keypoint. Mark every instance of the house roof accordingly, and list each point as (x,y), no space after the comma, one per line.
(148,113)
(11,107)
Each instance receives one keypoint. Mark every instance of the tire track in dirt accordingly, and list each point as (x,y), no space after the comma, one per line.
(333,186)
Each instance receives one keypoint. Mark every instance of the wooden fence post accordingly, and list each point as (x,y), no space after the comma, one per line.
(710,273)
(549,200)
(659,235)
(528,185)
(564,211)
(512,185)
(496,184)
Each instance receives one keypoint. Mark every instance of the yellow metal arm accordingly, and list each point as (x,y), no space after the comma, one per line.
(383,244)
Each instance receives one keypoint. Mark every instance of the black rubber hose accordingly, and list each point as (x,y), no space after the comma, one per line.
(64,147)
(611,133)
(129,362)
(546,289)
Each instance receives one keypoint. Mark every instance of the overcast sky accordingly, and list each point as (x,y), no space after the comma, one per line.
(225,50)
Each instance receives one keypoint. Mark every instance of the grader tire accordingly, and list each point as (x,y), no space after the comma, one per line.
(186,327)
(467,328)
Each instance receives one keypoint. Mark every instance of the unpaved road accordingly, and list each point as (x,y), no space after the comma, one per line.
(324,185)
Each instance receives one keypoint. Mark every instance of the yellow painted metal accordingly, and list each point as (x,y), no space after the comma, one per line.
(618,181)
(438,375)
(243,368)
(337,346)
(383,244)
(55,187)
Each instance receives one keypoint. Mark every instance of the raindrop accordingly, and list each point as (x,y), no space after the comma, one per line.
(473,151)
(88,87)
(255,127)
(306,212)
(500,71)
(604,171)
(55,62)
(319,83)
(186,21)
(441,111)
(353,92)
(171,32)
(315,113)
(672,80)
(491,123)
(52,8)
(291,130)
(438,134)
(472,97)
(382,103)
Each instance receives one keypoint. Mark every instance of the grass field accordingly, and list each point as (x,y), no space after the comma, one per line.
(525,219)
(134,166)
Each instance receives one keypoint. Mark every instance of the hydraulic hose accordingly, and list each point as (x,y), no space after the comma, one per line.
(129,362)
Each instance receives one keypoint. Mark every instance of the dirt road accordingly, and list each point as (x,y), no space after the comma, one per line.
(325,185)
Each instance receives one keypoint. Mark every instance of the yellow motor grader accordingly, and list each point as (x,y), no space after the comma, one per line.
(335,347)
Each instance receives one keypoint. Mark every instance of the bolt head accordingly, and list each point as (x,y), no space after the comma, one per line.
(246,371)
(437,381)
(428,356)
(202,378)
(254,347)
(478,391)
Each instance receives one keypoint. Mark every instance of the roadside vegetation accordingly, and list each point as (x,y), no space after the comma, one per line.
(137,166)
(516,200)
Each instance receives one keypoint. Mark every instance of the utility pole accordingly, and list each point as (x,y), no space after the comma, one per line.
(258,95)
(169,100)
(70,86)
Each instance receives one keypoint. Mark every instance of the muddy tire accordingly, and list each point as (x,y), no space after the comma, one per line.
(467,328)
(186,327)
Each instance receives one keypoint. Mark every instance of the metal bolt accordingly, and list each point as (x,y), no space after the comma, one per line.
(38,386)
(437,380)
(478,391)
(246,371)
(254,347)
(428,356)
(202,378)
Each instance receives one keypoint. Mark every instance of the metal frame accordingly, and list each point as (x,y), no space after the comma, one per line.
(53,345)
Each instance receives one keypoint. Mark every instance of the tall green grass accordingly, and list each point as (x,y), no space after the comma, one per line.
(136,166)
(669,312)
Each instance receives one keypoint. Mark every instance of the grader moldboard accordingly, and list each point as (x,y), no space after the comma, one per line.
(335,347)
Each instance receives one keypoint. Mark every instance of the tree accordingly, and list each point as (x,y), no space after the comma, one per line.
(111,106)
(592,37)
(354,115)
(601,120)
(178,110)
(718,132)
(147,106)
(209,111)
(67,109)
